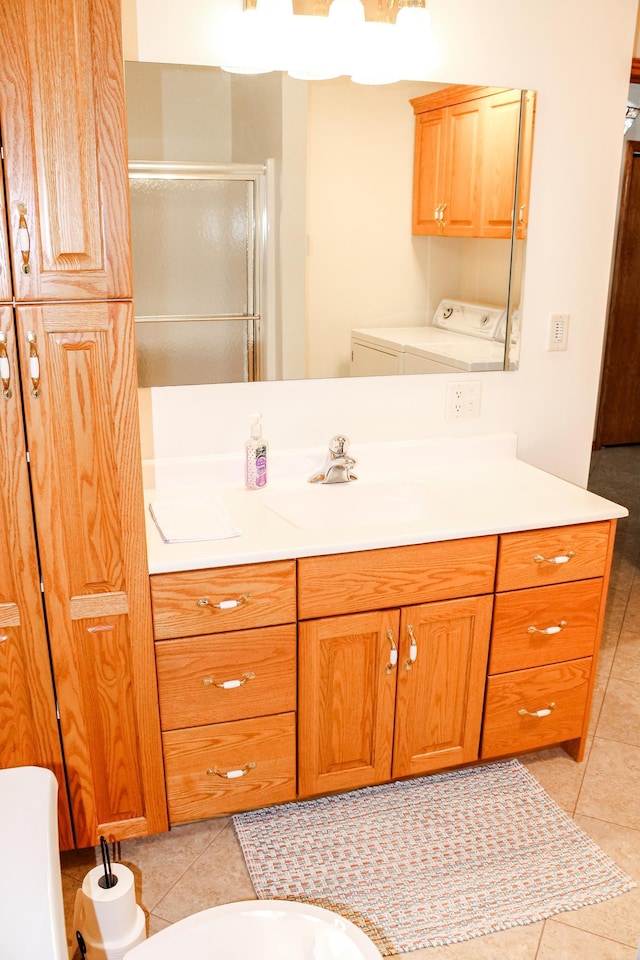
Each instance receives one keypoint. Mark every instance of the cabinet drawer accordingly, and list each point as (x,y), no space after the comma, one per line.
(569,611)
(396,576)
(507,731)
(226,598)
(555,555)
(260,754)
(226,676)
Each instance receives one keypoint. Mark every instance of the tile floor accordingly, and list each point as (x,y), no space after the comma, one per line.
(200,865)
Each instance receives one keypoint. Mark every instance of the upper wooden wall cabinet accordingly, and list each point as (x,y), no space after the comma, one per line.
(64,139)
(77,670)
(466,150)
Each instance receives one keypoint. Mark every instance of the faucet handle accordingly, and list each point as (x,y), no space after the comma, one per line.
(339,445)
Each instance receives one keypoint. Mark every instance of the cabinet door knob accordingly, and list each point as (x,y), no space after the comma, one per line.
(5,368)
(229,684)
(232,774)
(537,713)
(562,558)
(548,631)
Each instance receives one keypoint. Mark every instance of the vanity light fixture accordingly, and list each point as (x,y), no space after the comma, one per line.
(337,40)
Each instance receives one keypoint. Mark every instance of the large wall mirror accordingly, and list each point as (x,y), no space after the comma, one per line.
(272,234)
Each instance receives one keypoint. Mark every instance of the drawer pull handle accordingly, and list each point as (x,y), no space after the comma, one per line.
(34,364)
(224,604)
(231,774)
(413,649)
(24,240)
(393,655)
(548,631)
(536,713)
(228,684)
(563,558)
(5,369)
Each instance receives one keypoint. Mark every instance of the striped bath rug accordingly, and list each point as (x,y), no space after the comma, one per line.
(431,861)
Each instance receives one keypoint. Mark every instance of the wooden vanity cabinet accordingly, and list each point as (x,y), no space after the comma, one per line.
(466,149)
(81,624)
(392,692)
(551,592)
(227,667)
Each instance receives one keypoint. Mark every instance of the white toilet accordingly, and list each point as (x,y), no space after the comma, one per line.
(32,914)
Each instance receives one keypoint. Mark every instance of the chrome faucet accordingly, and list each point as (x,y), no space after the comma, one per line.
(338,465)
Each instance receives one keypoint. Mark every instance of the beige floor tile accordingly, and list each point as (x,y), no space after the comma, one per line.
(619,918)
(611,784)
(558,774)
(219,875)
(560,942)
(620,714)
(626,663)
(157,862)
(520,943)
(599,690)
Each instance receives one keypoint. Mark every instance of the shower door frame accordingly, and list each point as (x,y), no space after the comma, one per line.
(257,316)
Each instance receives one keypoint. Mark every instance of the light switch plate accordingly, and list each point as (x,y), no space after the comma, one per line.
(558,331)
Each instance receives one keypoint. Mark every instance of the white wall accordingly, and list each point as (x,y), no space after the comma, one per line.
(577,56)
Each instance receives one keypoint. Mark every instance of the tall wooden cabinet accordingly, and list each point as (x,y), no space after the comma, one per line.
(78,628)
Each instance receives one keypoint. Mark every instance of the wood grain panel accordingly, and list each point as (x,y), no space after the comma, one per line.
(518,568)
(9,615)
(514,646)
(267,742)
(67,164)
(263,661)
(506,731)
(346,701)
(268,590)
(100,727)
(98,605)
(86,476)
(28,724)
(440,698)
(499,160)
(5,268)
(396,576)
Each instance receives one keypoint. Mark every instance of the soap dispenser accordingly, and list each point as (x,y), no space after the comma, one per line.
(256,448)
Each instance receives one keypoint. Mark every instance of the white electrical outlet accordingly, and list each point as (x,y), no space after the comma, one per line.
(463,399)
(558,331)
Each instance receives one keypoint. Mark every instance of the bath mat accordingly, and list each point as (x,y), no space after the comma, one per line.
(431,861)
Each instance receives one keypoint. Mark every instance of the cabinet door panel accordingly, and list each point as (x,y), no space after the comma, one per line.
(462,170)
(428,186)
(499,160)
(5,270)
(28,725)
(83,439)
(441,692)
(346,699)
(65,148)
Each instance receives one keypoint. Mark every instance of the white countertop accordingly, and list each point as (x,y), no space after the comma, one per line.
(471,487)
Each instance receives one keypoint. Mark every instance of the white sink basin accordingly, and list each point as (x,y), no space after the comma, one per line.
(318,506)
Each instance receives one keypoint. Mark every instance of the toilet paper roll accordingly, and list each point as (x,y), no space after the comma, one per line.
(107,914)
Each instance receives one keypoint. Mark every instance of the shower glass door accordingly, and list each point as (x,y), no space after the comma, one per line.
(197,234)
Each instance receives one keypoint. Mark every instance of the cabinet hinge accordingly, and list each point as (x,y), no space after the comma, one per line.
(57,711)
(41,587)
(28,457)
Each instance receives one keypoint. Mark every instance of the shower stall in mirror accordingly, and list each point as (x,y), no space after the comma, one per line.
(199,240)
